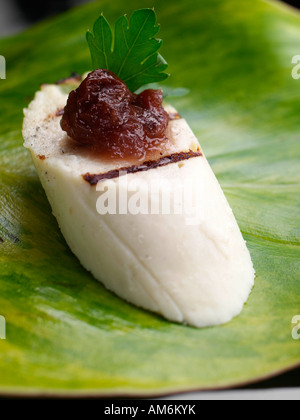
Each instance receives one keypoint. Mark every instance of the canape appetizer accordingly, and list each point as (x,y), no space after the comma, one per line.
(189,268)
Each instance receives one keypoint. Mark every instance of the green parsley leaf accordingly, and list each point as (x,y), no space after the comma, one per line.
(132,54)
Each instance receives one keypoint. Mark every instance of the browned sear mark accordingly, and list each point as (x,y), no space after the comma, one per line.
(58,113)
(42,157)
(93,179)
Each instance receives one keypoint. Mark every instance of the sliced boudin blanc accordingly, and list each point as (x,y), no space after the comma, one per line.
(189,268)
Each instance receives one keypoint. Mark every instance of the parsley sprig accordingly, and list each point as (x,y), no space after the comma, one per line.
(132,53)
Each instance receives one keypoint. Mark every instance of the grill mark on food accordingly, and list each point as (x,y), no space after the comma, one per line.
(93,179)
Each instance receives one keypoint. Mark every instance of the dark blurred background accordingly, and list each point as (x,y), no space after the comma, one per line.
(16,15)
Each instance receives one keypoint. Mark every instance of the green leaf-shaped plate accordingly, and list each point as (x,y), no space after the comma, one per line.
(65,333)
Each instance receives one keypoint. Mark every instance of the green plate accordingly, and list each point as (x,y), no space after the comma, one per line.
(65,333)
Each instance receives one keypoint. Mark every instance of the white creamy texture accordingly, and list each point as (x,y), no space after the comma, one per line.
(200,275)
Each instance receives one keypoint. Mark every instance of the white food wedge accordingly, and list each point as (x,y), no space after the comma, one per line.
(189,268)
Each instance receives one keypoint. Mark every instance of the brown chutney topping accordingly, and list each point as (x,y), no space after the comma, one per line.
(104,115)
